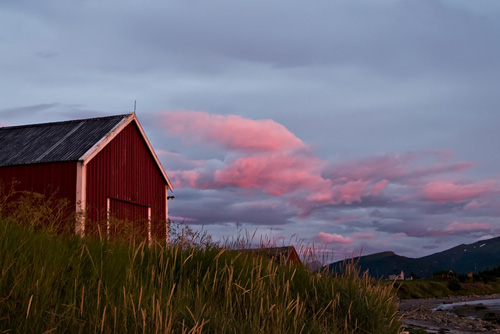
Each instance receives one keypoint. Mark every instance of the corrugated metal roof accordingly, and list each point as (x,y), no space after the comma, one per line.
(52,142)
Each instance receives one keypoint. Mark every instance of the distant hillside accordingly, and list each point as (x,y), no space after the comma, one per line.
(461,259)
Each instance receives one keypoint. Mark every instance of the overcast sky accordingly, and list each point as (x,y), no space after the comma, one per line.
(356,126)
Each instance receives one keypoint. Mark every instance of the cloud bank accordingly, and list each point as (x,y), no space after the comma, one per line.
(409,195)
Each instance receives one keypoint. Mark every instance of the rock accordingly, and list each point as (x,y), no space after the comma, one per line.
(460,320)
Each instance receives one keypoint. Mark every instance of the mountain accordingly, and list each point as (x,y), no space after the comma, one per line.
(460,259)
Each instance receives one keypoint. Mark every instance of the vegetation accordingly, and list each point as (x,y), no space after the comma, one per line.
(57,282)
(495,272)
(416,331)
(482,283)
(485,276)
(438,288)
(453,285)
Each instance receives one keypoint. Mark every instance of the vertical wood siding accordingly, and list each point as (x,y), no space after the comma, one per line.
(125,171)
(294,258)
(58,179)
(133,218)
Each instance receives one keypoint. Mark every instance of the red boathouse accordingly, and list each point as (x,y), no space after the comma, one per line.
(105,167)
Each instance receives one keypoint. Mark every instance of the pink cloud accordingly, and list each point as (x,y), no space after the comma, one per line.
(444,192)
(364,235)
(441,168)
(333,238)
(285,166)
(268,156)
(188,178)
(457,226)
(474,205)
(349,192)
(263,155)
(379,187)
(179,159)
(386,166)
(230,131)
(275,173)
(405,168)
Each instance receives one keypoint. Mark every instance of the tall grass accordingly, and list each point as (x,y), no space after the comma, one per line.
(66,284)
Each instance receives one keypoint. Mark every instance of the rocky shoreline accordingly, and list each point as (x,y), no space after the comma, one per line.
(461,319)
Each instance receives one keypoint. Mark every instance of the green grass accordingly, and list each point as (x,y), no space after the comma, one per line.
(417,331)
(438,288)
(54,282)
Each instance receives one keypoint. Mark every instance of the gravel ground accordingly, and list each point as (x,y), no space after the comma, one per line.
(465,319)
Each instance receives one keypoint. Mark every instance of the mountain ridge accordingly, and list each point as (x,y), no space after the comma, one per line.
(463,258)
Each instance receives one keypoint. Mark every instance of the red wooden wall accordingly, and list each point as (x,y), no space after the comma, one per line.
(132,220)
(49,178)
(293,257)
(125,171)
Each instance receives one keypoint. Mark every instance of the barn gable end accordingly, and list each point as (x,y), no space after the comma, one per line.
(142,186)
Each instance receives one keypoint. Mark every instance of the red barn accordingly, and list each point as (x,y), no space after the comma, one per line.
(105,167)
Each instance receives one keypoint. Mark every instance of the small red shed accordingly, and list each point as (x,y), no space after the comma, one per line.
(106,168)
(285,255)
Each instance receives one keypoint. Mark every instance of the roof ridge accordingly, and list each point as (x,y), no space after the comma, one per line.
(66,122)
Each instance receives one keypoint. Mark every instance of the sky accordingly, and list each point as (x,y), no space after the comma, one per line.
(353,127)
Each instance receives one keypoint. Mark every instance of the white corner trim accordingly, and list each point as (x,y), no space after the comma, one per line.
(108,216)
(81,198)
(149,225)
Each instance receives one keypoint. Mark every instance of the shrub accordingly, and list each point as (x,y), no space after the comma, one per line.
(34,211)
(454,285)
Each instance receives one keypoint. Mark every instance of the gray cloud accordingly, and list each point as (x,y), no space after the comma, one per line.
(25,111)
(227,206)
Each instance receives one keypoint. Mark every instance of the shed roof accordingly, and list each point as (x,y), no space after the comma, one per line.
(281,255)
(63,141)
